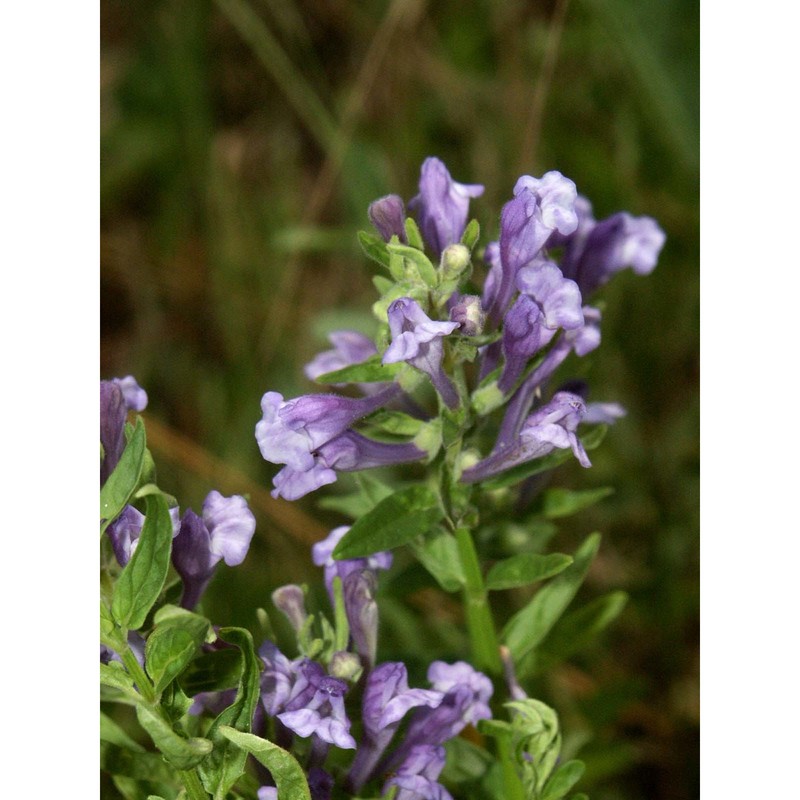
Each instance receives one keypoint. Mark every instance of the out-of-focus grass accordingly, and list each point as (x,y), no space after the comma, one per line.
(242,142)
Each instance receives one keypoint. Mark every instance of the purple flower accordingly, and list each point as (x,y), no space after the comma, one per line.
(362,612)
(388,215)
(524,334)
(557,296)
(597,250)
(267,793)
(417,340)
(416,776)
(321,555)
(387,699)
(290,431)
(540,207)
(550,427)
(277,679)
(323,715)
(442,205)
(223,533)
(126,529)
(348,452)
(349,347)
(446,677)
(117,397)
(603,413)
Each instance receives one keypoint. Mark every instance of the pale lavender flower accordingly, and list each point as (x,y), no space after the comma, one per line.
(135,396)
(550,427)
(416,777)
(417,340)
(277,678)
(387,699)
(323,715)
(290,431)
(598,250)
(322,556)
(347,452)
(603,413)
(267,793)
(388,215)
(557,296)
(540,207)
(444,677)
(362,612)
(442,205)
(349,347)
(223,533)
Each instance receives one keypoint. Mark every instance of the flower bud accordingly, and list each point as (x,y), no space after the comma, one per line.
(455,261)
(468,312)
(346,666)
(290,599)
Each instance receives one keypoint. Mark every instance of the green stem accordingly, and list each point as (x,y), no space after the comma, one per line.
(144,684)
(480,624)
(514,790)
(191,782)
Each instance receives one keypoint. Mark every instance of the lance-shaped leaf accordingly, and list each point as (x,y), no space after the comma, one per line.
(142,579)
(563,502)
(471,234)
(176,638)
(374,247)
(526,568)
(288,775)
(438,553)
(528,627)
(574,632)
(396,520)
(137,764)
(181,753)
(369,371)
(223,767)
(122,482)
(562,780)
(416,261)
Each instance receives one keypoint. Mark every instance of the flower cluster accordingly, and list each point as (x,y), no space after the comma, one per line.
(530,315)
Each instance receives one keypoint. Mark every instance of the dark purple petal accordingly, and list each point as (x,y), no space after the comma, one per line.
(442,205)
(124,532)
(388,215)
(113,413)
(192,557)
(469,315)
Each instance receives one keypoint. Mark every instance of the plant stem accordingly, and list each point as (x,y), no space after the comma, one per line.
(138,674)
(191,782)
(480,624)
(511,782)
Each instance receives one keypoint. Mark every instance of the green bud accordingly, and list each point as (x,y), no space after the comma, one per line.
(455,261)
(346,666)
(487,398)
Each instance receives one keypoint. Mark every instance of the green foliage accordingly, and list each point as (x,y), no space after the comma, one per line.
(528,627)
(288,775)
(142,578)
(369,371)
(563,502)
(438,553)
(117,491)
(181,753)
(395,521)
(525,568)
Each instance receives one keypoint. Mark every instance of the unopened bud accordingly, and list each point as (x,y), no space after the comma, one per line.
(455,260)
(345,665)
(291,601)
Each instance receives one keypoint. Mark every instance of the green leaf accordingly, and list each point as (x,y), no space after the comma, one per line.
(110,634)
(471,234)
(416,263)
(465,761)
(181,753)
(576,630)
(374,247)
(122,482)
(288,775)
(528,627)
(516,474)
(438,553)
(113,733)
(220,771)
(413,235)
(525,568)
(369,371)
(131,763)
(396,520)
(382,283)
(114,676)
(563,502)
(396,423)
(562,780)
(370,492)
(212,672)
(172,644)
(140,582)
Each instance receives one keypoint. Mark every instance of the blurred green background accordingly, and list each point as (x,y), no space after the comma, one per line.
(242,141)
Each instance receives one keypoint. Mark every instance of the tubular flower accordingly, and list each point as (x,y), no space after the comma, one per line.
(442,205)
(223,532)
(388,215)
